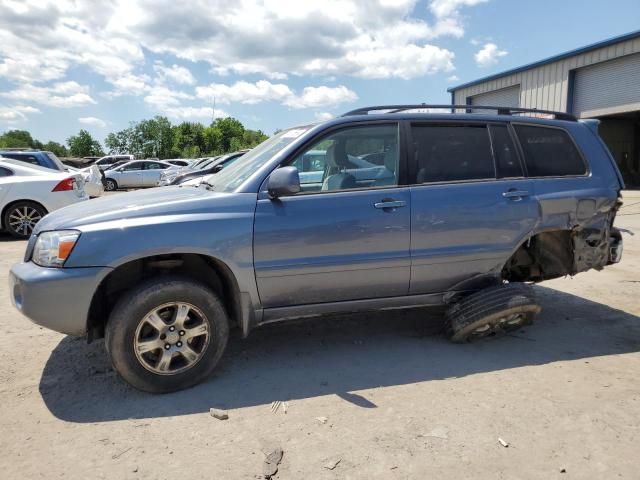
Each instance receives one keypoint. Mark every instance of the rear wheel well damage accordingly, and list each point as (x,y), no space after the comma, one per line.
(209,271)
(557,253)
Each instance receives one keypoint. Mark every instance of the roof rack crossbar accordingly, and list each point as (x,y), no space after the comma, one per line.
(465,108)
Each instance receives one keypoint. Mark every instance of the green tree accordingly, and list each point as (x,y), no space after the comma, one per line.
(187,136)
(213,140)
(230,128)
(17,139)
(57,148)
(119,142)
(83,145)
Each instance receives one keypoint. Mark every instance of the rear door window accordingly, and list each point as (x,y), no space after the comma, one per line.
(504,150)
(549,152)
(448,153)
(133,166)
(155,166)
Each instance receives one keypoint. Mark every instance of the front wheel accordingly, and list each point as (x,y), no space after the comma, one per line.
(167,334)
(110,185)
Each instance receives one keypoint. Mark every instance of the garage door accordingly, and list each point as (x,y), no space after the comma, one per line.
(505,97)
(608,87)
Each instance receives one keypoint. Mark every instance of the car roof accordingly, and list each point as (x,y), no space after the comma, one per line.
(443,117)
(29,167)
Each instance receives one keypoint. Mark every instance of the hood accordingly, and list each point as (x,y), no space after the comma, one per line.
(154,202)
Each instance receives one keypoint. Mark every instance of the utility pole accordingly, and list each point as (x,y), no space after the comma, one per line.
(213,111)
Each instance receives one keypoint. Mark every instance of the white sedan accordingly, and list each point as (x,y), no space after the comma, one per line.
(28,192)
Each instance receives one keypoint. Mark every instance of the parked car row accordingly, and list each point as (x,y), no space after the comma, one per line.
(26,174)
(199,169)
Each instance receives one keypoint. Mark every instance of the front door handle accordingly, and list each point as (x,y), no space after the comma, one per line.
(515,194)
(389,203)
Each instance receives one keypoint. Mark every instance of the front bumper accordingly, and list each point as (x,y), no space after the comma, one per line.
(56,298)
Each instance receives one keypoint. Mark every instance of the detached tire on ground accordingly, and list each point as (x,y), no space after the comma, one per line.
(167,334)
(491,312)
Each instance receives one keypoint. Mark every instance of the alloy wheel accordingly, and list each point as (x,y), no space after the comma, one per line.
(23,219)
(171,338)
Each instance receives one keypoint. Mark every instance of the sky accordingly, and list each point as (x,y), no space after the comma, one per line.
(72,64)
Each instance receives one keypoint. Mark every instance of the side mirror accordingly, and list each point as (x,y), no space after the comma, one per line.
(283,181)
(217,168)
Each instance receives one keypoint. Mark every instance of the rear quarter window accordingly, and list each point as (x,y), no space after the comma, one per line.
(5,172)
(549,152)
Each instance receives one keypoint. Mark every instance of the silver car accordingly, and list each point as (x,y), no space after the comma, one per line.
(136,174)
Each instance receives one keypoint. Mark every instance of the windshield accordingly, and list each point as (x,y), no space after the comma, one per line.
(234,175)
(58,163)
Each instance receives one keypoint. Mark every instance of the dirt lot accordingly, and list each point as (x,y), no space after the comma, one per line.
(399,402)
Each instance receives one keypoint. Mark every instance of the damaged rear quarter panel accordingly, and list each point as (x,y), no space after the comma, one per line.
(583,205)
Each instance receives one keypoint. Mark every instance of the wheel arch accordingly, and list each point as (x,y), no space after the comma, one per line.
(543,255)
(208,270)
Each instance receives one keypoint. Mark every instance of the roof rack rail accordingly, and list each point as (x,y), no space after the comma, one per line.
(18,149)
(466,108)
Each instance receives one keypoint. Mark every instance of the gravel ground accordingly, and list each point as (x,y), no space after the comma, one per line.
(398,401)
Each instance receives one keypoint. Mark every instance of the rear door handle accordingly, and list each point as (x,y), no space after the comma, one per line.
(515,194)
(389,203)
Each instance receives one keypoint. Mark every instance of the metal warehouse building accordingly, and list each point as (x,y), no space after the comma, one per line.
(597,81)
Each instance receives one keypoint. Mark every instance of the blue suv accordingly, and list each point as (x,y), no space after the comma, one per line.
(368,211)
(34,157)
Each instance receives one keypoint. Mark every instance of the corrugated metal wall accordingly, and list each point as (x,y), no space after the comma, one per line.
(546,87)
(505,97)
(608,87)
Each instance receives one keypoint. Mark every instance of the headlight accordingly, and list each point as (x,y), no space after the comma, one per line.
(53,248)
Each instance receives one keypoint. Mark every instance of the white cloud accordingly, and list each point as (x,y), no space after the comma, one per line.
(453,78)
(313,97)
(450,8)
(265,91)
(194,113)
(16,113)
(93,121)
(244,92)
(128,84)
(62,94)
(174,73)
(272,38)
(489,55)
(324,116)
(161,97)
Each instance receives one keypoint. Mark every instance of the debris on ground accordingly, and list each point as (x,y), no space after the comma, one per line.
(271,462)
(503,443)
(322,420)
(118,455)
(332,463)
(219,414)
(275,406)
